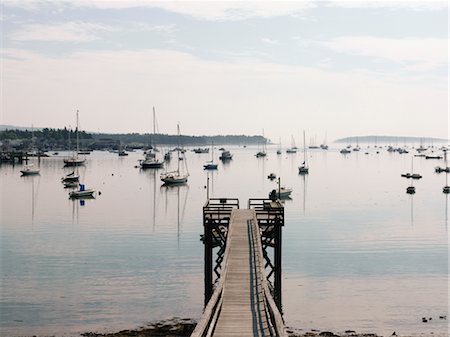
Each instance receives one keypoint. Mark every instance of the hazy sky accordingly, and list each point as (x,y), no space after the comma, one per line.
(341,67)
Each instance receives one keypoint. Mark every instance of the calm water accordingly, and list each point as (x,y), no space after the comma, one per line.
(358,252)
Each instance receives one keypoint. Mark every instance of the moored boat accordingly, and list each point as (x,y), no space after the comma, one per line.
(82,193)
(29,170)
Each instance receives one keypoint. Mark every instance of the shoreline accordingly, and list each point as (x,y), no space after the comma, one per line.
(183,327)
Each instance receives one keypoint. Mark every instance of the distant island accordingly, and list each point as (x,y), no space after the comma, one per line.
(46,139)
(390,140)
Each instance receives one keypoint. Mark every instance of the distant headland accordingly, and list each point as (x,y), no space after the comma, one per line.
(390,140)
(50,138)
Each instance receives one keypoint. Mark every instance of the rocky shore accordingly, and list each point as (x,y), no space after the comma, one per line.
(183,327)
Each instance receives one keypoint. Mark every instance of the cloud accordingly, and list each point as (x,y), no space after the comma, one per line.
(393,5)
(114,90)
(269,41)
(74,31)
(412,53)
(213,10)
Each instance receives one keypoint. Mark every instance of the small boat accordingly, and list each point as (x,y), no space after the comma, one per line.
(167,156)
(172,178)
(29,170)
(282,193)
(71,177)
(345,151)
(260,154)
(303,169)
(410,190)
(291,150)
(122,153)
(226,155)
(82,193)
(439,169)
(433,157)
(446,189)
(271,176)
(324,147)
(55,153)
(84,152)
(210,166)
(201,150)
(70,184)
(222,149)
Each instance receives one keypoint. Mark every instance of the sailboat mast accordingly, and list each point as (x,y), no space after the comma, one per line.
(77,134)
(304,148)
(178,149)
(154,131)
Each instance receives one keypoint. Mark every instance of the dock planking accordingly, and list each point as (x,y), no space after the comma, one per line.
(239,315)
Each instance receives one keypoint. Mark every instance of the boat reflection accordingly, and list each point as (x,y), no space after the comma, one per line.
(176,190)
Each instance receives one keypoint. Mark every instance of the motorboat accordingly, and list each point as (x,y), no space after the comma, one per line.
(260,154)
(410,190)
(303,169)
(29,170)
(345,151)
(226,155)
(281,193)
(82,193)
(271,176)
(210,166)
(439,169)
(201,150)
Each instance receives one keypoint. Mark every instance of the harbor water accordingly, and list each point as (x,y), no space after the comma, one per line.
(358,252)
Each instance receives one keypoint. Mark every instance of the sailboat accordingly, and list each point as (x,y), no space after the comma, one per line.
(211,165)
(150,160)
(446,188)
(304,169)
(324,146)
(176,177)
(412,174)
(411,189)
(263,152)
(74,160)
(279,147)
(29,169)
(293,148)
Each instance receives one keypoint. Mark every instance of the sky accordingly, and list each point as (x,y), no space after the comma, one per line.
(331,68)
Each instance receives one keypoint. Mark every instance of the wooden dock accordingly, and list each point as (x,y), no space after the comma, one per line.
(241,304)
(239,315)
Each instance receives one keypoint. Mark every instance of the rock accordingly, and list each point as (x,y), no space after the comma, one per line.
(327,334)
